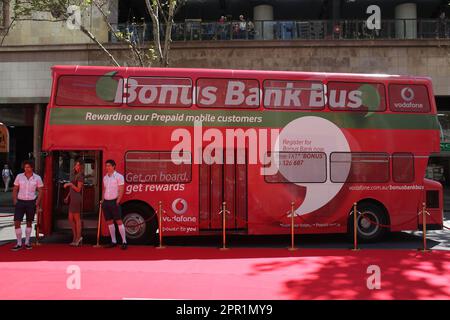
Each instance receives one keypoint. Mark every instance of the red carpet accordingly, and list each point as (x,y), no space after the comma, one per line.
(207,273)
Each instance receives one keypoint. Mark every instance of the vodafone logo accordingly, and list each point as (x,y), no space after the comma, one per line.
(407,94)
(179,206)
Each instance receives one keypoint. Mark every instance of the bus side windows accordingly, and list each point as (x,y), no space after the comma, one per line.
(228,93)
(295,167)
(293,95)
(159,92)
(165,167)
(356,96)
(89,90)
(403,167)
(359,167)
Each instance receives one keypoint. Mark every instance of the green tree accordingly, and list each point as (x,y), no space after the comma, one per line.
(140,54)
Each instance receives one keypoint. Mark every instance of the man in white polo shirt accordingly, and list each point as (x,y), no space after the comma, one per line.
(25,200)
(113,188)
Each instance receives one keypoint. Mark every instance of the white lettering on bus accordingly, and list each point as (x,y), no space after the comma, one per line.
(164,94)
(355,99)
(236,94)
(340,99)
(208,96)
(334,103)
(292,96)
(316,97)
(235,140)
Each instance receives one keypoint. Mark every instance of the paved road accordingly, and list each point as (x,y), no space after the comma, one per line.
(399,240)
(55,271)
(402,240)
(5,200)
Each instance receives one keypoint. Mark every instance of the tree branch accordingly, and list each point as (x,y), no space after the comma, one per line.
(156,34)
(178,7)
(132,46)
(93,38)
(162,10)
(7,31)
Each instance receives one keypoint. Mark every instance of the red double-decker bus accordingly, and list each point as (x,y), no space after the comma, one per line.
(256,140)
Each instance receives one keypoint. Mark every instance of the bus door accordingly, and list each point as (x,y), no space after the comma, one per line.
(224,183)
(63,168)
(47,200)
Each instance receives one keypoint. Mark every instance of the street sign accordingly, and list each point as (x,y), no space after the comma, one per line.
(445,146)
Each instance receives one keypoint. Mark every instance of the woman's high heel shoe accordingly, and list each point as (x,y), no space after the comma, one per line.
(79,242)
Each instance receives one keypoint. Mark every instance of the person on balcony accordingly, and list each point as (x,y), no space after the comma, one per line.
(222,29)
(442,26)
(242,27)
(250,29)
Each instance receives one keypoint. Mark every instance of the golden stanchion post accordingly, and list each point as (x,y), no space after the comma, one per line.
(99,225)
(160,213)
(424,228)
(355,228)
(224,212)
(38,223)
(292,247)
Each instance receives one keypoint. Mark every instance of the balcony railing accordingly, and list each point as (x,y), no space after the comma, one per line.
(293,30)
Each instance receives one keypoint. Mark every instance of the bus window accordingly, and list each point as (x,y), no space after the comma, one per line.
(359,167)
(403,167)
(356,96)
(157,167)
(293,95)
(227,93)
(408,98)
(90,171)
(159,92)
(296,167)
(103,90)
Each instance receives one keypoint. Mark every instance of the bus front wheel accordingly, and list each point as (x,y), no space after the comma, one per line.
(371,222)
(140,224)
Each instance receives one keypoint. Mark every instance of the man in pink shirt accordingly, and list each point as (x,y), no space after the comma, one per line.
(113,188)
(26,185)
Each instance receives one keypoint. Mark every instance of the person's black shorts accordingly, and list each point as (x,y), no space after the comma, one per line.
(25,207)
(111,210)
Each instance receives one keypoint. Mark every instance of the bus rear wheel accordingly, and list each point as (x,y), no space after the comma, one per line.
(140,224)
(371,223)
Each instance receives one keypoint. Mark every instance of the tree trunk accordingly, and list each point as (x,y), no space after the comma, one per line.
(154,14)
(168,35)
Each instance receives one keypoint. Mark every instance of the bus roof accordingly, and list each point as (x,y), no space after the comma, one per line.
(77,69)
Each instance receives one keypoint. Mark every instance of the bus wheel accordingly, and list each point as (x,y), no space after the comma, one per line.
(138,225)
(370,223)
